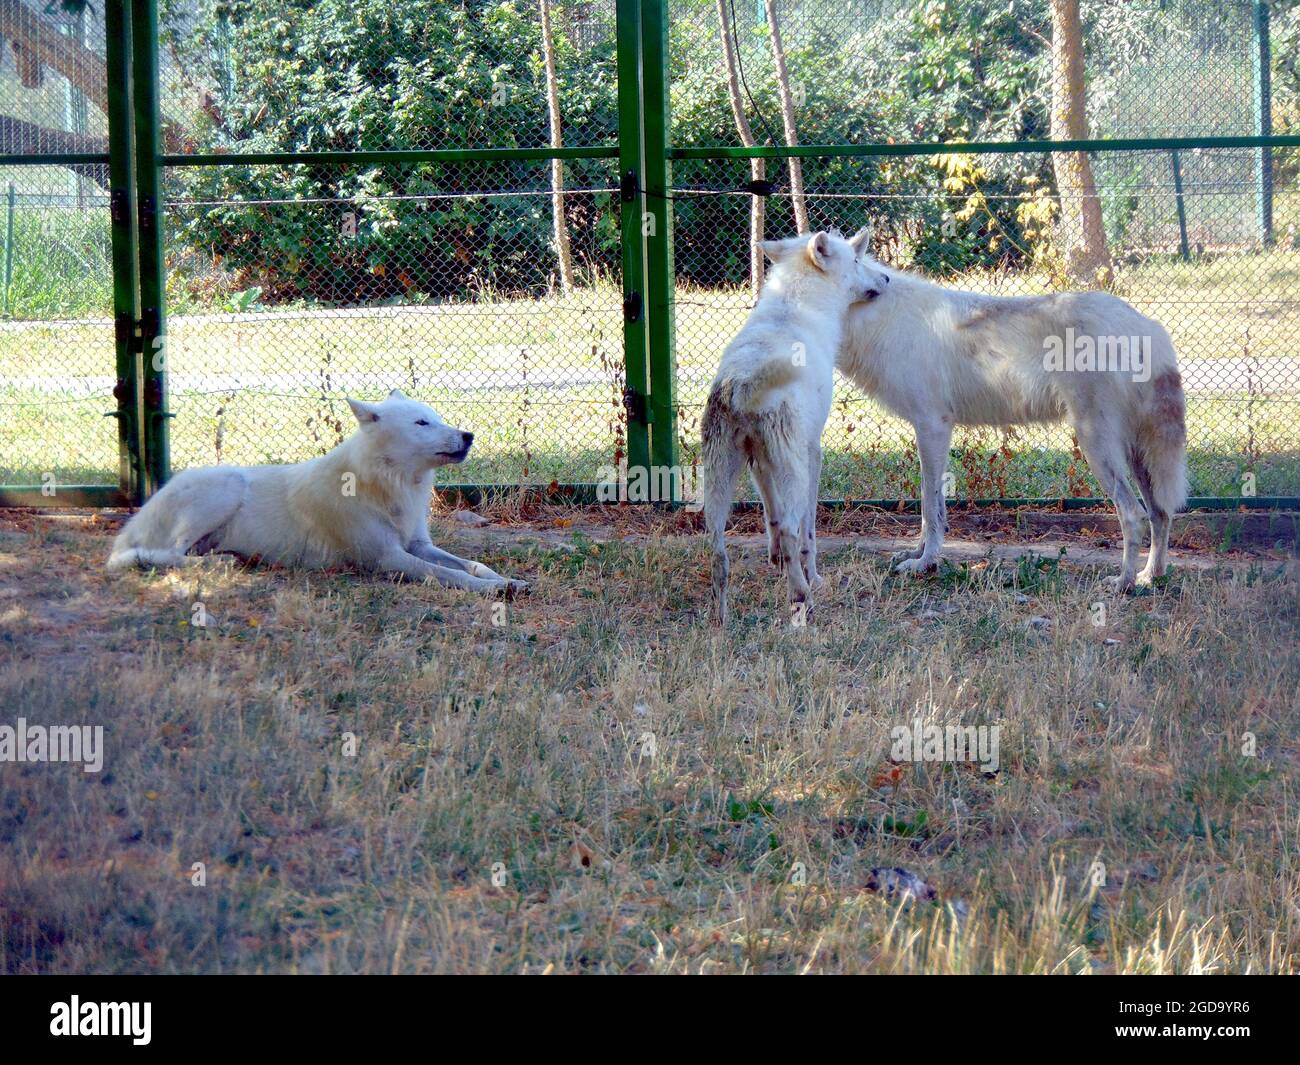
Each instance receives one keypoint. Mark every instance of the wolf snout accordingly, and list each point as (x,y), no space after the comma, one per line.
(457,451)
(874,290)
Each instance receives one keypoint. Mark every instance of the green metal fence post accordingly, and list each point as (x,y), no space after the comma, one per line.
(9,247)
(630,169)
(121,206)
(659,245)
(153,273)
(1180,206)
(1263,124)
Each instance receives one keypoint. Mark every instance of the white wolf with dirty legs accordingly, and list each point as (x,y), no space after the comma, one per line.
(770,400)
(364,504)
(941,358)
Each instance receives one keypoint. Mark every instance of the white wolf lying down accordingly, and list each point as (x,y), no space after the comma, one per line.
(770,400)
(940,358)
(366,503)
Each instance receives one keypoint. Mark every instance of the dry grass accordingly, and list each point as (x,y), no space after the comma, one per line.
(524,744)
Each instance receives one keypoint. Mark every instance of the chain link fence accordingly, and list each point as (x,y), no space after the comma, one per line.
(1196,238)
(292,284)
(56,333)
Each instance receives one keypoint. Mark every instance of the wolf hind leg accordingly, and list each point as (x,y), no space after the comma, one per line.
(1101,444)
(183,514)
(1161,520)
(787,509)
(809,550)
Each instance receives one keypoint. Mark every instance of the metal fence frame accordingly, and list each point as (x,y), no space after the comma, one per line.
(136,163)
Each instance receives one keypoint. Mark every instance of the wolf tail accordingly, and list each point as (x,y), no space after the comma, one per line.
(720,457)
(746,393)
(1160,448)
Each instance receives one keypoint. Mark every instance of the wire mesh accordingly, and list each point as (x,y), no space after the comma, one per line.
(56,335)
(292,286)
(1186,240)
(348,75)
(442,283)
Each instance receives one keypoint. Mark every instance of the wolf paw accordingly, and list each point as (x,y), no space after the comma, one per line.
(512,589)
(816,581)
(906,556)
(1119,585)
(918,565)
(1147,578)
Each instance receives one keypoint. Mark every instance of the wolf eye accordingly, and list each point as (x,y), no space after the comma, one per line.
(422,422)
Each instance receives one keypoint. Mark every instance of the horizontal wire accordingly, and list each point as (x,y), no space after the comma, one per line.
(362,200)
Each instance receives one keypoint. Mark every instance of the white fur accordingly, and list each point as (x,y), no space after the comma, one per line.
(940,358)
(366,504)
(770,400)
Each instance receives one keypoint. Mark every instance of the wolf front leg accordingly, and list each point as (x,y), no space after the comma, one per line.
(426,550)
(401,561)
(933,440)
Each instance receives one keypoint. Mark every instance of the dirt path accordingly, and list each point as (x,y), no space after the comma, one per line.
(1074,551)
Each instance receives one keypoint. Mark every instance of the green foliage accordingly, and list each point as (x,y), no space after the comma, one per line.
(321,75)
(363,74)
(940,71)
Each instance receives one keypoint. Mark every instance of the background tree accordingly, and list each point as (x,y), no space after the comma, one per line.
(562,252)
(797,199)
(1082,230)
(757,167)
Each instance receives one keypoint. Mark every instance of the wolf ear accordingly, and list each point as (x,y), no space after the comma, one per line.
(365,412)
(397,393)
(860,240)
(819,250)
(776,250)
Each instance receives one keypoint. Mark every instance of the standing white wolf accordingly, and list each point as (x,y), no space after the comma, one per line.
(940,358)
(770,400)
(366,503)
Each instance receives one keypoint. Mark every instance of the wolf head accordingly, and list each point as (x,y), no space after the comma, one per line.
(410,433)
(828,265)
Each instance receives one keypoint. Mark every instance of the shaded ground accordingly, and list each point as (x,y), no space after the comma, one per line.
(594,778)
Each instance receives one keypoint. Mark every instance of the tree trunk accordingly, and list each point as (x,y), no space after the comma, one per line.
(1082,233)
(562,249)
(797,198)
(757,167)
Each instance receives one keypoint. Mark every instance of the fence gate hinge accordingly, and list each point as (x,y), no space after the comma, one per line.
(153,397)
(632,307)
(125,331)
(627,186)
(635,405)
(118,200)
(147,207)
